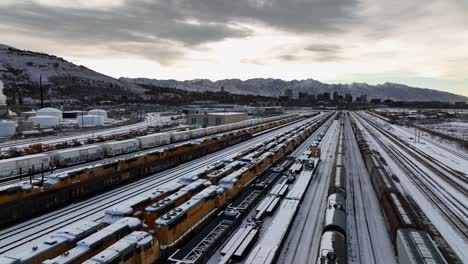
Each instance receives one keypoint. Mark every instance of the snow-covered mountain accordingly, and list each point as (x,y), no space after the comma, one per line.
(21,66)
(21,70)
(277,87)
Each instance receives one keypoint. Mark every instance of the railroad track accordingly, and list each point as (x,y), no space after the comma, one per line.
(10,180)
(456,216)
(354,190)
(18,235)
(316,196)
(426,160)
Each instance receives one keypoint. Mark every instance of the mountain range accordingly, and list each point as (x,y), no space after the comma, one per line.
(20,67)
(278,87)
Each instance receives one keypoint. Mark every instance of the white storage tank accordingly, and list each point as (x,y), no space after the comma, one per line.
(50,111)
(90,120)
(7,128)
(98,112)
(45,121)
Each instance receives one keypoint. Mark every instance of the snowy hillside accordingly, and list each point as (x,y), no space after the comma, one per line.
(20,66)
(277,87)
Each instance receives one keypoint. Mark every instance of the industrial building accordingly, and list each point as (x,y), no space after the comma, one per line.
(215,119)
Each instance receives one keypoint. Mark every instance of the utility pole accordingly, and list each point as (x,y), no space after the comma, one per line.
(42,91)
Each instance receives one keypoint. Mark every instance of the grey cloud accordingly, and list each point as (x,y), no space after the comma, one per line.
(148,26)
(325,52)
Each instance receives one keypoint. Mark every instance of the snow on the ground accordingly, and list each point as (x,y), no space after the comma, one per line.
(457,129)
(367,233)
(452,236)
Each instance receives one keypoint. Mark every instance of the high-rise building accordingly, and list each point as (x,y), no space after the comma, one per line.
(348,98)
(289,93)
(364,99)
(326,97)
(335,97)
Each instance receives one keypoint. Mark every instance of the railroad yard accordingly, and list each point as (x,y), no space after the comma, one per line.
(303,187)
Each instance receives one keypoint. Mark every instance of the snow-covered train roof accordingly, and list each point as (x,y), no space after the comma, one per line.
(17,186)
(222,171)
(129,242)
(230,180)
(67,234)
(175,196)
(178,212)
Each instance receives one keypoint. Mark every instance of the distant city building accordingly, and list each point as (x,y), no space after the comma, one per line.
(375,101)
(289,93)
(311,97)
(335,97)
(222,89)
(363,99)
(215,119)
(348,98)
(320,97)
(326,97)
(460,104)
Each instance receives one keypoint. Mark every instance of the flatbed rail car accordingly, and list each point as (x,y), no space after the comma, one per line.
(34,164)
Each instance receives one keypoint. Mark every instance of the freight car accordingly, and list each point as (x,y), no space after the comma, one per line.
(25,165)
(154,140)
(70,186)
(412,243)
(179,222)
(136,248)
(333,244)
(37,163)
(67,157)
(115,148)
(97,242)
(58,243)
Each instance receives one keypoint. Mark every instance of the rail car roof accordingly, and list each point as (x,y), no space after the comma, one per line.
(62,151)
(67,234)
(420,245)
(401,210)
(126,222)
(13,187)
(231,179)
(173,197)
(185,207)
(26,157)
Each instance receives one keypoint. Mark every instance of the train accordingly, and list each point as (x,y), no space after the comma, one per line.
(410,237)
(44,162)
(24,199)
(182,207)
(233,175)
(333,244)
(138,247)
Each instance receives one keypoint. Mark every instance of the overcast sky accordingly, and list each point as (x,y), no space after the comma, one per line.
(418,42)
